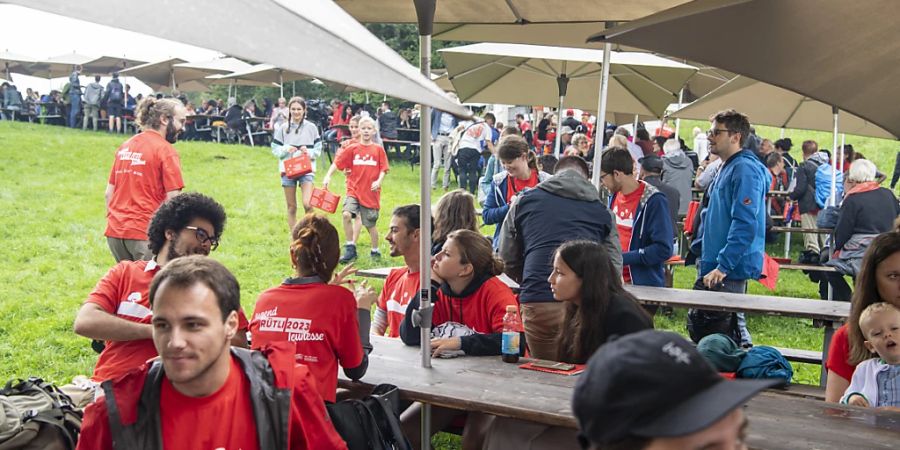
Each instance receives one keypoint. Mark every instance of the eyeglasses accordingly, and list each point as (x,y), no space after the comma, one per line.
(715,132)
(604,175)
(203,237)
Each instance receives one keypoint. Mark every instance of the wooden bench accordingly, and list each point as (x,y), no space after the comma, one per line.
(824,314)
(778,419)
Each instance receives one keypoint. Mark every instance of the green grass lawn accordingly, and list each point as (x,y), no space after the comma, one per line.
(53,220)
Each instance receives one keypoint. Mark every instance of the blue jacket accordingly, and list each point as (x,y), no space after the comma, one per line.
(734,223)
(436,122)
(495,206)
(651,238)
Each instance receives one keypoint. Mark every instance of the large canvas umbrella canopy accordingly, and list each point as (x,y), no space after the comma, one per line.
(159,75)
(844,54)
(766,104)
(57,66)
(263,75)
(343,51)
(106,65)
(13,62)
(640,83)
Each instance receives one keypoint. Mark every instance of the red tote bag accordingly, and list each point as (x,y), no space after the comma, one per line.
(297,166)
(324,200)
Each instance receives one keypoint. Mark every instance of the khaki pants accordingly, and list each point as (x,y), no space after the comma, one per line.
(90,112)
(440,156)
(129,249)
(543,322)
(811,241)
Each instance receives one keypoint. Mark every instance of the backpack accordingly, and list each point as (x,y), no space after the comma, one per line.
(372,423)
(114,92)
(36,415)
(823,185)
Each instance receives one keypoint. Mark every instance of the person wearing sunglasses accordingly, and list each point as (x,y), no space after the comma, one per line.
(117,312)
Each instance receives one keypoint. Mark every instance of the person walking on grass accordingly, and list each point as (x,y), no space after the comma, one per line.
(366,164)
(146,172)
(293,138)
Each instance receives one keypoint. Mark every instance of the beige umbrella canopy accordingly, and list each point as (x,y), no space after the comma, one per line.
(106,65)
(159,75)
(13,62)
(506,11)
(766,104)
(844,54)
(640,83)
(57,66)
(178,74)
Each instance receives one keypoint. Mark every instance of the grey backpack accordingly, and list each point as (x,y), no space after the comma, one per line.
(35,415)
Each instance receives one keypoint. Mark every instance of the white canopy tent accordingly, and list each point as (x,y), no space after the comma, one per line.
(57,66)
(13,62)
(263,75)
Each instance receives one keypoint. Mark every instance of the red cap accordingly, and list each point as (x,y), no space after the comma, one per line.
(570,112)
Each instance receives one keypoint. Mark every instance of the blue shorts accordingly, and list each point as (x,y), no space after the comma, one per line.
(294,182)
(114,109)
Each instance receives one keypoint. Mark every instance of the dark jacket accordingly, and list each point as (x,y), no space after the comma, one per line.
(805,187)
(871,212)
(563,208)
(387,124)
(651,239)
(673,198)
(495,206)
(896,175)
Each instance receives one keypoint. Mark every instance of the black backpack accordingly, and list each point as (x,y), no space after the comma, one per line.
(114,92)
(372,423)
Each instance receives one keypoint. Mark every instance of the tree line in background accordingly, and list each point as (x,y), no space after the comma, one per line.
(402,38)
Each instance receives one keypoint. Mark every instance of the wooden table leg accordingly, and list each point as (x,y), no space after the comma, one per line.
(827,334)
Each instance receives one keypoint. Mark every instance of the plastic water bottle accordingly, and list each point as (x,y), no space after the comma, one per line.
(509,349)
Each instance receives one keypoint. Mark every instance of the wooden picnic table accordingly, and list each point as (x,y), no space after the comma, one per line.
(825,314)
(488,385)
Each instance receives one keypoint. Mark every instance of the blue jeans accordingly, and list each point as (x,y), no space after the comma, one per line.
(74,109)
(739,287)
(467,162)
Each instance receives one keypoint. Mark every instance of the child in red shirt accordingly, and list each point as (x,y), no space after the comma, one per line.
(367,165)
(327,325)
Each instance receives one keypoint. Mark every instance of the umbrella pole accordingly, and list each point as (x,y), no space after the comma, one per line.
(281,82)
(562,81)
(843,157)
(633,127)
(678,119)
(425,14)
(782,133)
(832,200)
(601,113)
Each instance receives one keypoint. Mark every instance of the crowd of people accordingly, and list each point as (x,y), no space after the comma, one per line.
(571,250)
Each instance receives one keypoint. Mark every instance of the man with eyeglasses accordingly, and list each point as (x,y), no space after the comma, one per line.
(118,312)
(734,223)
(145,173)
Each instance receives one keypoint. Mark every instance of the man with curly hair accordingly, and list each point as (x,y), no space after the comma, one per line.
(118,311)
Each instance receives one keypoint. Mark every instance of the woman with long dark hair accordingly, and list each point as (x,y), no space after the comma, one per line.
(597,305)
(295,137)
(878,281)
(455,211)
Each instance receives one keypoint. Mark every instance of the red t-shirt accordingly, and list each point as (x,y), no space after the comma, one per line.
(515,185)
(145,168)
(482,311)
(624,208)
(320,319)
(366,162)
(309,426)
(400,287)
(205,414)
(124,292)
(839,353)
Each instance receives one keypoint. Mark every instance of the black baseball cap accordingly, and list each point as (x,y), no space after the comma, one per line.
(651,163)
(653,384)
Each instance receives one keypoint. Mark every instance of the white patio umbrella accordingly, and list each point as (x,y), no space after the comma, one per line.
(265,75)
(158,75)
(766,104)
(13,62)
(57,66)
(106,65)
(640,83)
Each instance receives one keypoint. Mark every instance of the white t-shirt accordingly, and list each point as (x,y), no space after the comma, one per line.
(475,135)
(701,146)
(446,123)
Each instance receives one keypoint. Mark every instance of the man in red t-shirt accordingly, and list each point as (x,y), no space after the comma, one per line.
(118,309)
(642,220)
(402,284)
(367,164)
(202,393)
(145,173)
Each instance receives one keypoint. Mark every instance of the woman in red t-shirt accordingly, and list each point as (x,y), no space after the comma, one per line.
(878,281)
(328,325)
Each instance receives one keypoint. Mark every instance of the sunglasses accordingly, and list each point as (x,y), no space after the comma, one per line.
(203,237)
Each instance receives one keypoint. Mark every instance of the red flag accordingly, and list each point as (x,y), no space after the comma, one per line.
(769,277)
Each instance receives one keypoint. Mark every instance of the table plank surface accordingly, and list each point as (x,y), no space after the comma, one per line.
(720,301)
(486,384)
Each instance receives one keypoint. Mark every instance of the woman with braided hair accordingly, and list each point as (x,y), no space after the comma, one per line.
(327,322)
